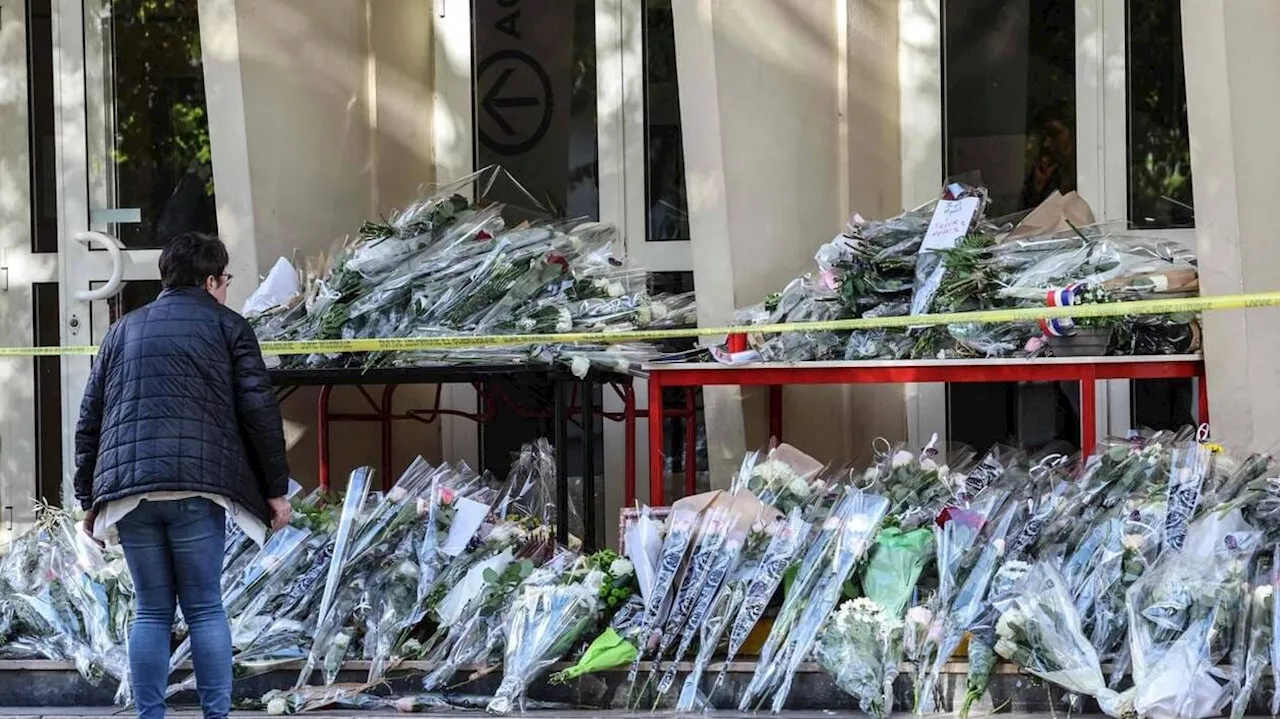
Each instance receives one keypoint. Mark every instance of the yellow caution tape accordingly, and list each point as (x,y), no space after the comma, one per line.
(1187,305)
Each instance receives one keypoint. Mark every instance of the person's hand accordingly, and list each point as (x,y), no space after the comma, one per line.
(90,518)
(281,513)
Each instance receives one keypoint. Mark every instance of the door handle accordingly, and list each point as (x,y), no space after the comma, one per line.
(112,246)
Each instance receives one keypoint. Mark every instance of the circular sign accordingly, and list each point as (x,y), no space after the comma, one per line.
(517,101)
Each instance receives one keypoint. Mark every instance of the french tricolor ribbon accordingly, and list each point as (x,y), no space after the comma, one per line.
(1061,297)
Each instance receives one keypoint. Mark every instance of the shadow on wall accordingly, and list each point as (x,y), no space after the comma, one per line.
(808,133)
(337,120)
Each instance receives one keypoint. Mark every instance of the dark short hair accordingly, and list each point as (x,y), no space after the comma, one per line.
(189,259)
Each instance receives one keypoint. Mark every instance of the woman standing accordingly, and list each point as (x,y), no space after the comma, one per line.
(179,429)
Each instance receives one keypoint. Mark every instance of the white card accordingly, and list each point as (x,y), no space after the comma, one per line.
(951,221)
(467,518)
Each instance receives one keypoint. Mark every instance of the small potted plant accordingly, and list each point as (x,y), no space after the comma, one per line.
(1092,335)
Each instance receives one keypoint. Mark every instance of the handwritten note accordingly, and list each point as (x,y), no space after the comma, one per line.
(467,518)
(951,220)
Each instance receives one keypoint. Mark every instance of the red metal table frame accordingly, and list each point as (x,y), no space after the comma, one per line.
(1086,371)
(492,397)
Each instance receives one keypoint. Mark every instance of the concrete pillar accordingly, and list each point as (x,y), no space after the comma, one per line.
(790,120)
(320,119)
(1233,100)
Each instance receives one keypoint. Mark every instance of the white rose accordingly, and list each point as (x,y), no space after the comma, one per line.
(920,616)
(902,458)
(928,465)
(621,568)
(580,366)
(799,487)
(502,534)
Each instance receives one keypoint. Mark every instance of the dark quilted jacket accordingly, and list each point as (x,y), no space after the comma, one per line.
(179,400)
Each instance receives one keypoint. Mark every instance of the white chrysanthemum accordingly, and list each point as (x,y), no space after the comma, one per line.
(870,474)
(615,289)
(580,366)
(277,706)
(928,465)
(564,320)
(1008,620)
(526,324)
(902,458)
(659,310)
(773,473)
(621,568)
(397,494)
(865,605)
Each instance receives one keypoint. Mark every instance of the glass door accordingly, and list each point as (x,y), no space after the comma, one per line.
(133,159)
(1085,95)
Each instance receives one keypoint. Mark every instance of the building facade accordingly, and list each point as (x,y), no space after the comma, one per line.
(726,138)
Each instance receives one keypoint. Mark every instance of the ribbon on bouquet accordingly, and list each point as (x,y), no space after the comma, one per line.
(1188,305)
(1061,297)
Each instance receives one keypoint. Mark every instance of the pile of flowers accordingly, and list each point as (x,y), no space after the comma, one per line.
(450,266)
(882,268)
(1155,557)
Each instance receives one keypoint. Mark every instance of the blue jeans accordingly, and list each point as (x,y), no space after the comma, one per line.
(174,550)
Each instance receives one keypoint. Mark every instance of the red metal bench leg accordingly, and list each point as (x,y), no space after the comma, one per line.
(1088,416)
(629,443)
(1202,397)
(775,412)
(656,418)
(690,441)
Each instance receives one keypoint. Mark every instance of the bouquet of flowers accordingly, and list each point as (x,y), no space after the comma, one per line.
(1184,615)
(449,266)
(860,648)
(843,541)
(545,623)
(897,560)
(1039,631)
(1261,613)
